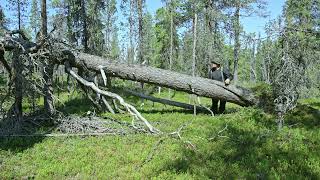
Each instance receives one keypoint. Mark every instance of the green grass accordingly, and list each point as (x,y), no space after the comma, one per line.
(250,147)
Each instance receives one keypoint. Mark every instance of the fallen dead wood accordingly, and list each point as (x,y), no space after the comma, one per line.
(161,101)
(131,109)
(59,135)
(61,54)
(182,82)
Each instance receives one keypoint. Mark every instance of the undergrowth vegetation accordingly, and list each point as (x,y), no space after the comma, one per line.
(243,143)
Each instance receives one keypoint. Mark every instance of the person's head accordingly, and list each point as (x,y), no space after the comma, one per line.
(215,65)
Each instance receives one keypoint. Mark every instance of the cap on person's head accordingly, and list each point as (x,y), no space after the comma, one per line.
(216,62)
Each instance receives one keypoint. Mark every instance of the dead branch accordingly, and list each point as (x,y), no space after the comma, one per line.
(219,134)
(160,100)
(131,109)
(59,135)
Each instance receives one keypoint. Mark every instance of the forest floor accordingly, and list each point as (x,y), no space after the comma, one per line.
(243,143)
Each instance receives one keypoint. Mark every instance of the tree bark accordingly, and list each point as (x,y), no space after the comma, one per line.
(165,78)
(131,109)
(17,66)
(85,37)
(131,33)
(44,18)
(162,101)
(236,43)
(19,15)
(181,82)
(48,89)
(171,39)
(47,66)
(253,62)
(195,21)
(171,35)
(140,16)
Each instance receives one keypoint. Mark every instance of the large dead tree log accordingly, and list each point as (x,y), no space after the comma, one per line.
(58,53)
(193,85)
(182,82)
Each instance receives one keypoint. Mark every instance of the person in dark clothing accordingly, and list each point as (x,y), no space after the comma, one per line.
(218,73)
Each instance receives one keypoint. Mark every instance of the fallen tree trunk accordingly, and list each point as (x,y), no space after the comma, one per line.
(182,82)
(192,85)
(55,50)
(163,101)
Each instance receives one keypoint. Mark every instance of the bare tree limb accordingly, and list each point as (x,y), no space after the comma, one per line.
(131,109)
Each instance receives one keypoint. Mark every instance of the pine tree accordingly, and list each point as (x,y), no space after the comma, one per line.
(296,54)
(140,6)
(85,35)
(167,21)
(3,22)
(242,8)
(253,74)
(95,36)
(34,18)
(19,8)
(212,36)
(114,52)
(111,30)
(48,66)
(299,24)
(149,40)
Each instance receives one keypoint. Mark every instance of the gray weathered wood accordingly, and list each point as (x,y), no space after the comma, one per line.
(182,82)
(165,78)
(160,100)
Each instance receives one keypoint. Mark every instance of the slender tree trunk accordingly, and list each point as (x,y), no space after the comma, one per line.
(264,70)
(140,14)
(44,18)
(236,43)
(253,63)
(140,29)
(17,66)
(19,14)
(71,35)
(265,64)
(48,66)
(194,45)
(229,59)
(108,27)
(267,68)
(171,40)
(48,89)
(131,23)
(194,56)
(84,24)
(209,31)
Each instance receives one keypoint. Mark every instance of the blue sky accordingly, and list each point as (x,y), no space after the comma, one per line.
(250,24)
(256,24)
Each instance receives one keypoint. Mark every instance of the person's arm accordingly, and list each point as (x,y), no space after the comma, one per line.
(227,76)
